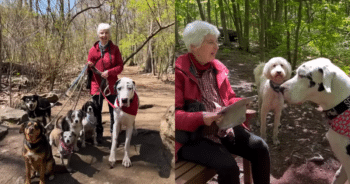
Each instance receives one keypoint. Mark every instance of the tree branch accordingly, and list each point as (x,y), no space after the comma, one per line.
(82,11)
(148,38)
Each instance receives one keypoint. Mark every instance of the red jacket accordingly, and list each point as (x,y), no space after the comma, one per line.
(114,67)
(186,88)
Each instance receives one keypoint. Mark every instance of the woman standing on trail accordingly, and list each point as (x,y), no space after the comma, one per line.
(106,57)
(200,82)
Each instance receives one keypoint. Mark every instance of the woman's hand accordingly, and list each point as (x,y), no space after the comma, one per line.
(90,64)
(210,117)
(105,74)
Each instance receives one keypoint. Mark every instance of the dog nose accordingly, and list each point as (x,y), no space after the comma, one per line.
(282,89)
(125,100)
(279,72)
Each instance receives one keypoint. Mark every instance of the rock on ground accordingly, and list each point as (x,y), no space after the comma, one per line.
(167,131)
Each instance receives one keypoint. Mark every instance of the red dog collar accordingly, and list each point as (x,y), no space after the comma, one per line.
(134,106)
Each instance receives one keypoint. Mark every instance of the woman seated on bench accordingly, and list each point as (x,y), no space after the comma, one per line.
(200,81)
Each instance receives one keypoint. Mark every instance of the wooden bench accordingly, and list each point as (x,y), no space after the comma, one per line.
(192,173)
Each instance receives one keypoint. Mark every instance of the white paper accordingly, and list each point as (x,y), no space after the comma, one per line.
(235,114)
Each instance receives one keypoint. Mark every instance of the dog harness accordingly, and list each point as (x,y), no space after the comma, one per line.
(66,149)
(134,106)
(339,117)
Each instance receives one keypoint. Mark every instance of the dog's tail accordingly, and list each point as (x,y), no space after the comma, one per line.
(258,71)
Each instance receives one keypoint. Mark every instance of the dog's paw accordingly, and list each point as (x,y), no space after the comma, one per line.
(112,160)
(127,162)
(51,177)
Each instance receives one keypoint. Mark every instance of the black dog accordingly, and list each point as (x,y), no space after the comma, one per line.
(37,107)
(182,136)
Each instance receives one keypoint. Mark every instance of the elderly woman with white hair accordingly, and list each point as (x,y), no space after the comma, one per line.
(106,57)
(200,82)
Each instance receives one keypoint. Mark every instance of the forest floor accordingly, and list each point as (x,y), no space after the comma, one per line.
(302,131)
(91,163)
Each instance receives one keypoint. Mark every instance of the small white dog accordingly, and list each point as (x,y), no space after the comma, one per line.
(64,141)
(268,78)
(322,82)
(89,122)
(126,104)
(74,122)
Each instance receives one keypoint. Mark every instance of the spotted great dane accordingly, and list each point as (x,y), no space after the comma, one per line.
(126,106)
(324,83)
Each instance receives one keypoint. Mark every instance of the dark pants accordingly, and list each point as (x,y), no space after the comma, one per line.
(219,156)
(99,101)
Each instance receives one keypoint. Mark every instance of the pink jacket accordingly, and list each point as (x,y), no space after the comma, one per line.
(114,66)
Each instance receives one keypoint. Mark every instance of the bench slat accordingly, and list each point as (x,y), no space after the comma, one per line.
(184,169)
(197,175)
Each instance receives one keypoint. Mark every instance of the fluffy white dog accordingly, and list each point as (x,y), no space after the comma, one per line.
(125,112)
(268,78)
(322,82)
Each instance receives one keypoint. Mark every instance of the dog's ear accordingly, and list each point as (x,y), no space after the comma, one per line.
(134,85)
(116,84)
(288,70)
(327,78)
(42,128)
(61,134)
(69,113)
(23,126)
(24,98)
(36,97)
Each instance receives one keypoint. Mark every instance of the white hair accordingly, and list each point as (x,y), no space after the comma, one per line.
(195,32)
(103,26)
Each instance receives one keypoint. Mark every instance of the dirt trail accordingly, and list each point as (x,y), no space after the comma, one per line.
(91,163)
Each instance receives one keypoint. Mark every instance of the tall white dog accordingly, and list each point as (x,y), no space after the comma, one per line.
(322,82)
(126,104)
(268,78)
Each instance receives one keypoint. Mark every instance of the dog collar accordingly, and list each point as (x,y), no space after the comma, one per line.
(34,145)
(134,106)
(339,109)
(66,149)
(275,86)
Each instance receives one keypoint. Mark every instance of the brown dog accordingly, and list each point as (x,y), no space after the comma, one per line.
(37,151)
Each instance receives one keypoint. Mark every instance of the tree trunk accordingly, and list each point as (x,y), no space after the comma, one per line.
(297,36)
(208,11)
(278,19)
(223,22)
(236,22)
(188,18)
(201,12)
(177,36)
(149,60)
(216,17)
(1,51)
(262,30)
(246,26)
(288,32)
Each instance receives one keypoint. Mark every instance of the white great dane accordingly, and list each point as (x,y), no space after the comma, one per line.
(125,112)
(322,82)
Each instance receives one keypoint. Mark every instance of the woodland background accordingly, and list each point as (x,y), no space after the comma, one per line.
(298,30)
(44,40)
